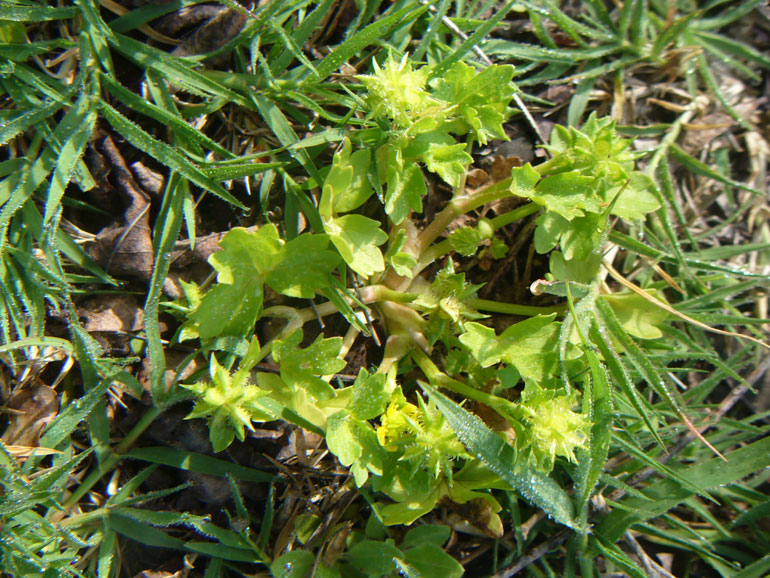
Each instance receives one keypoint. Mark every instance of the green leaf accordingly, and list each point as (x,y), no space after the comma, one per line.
(473,40)
(284,131)
(164,153)
(523,180)
(597,406)
(465,240)
(615,554)
(294,564)
(355,444)
(13,126)
(142,533)
(500,457)
(637,198)
(357,238)
(165,234)
(480,99)
(177,71)
(300,367)
(20,13)
(221,437)
(567,194)
(620,374)
(582,271)
(434,534)
(194,462)
(251,258)
(229,309)
(307,254)
(403,264)
(370,395)
(699,168)
(374,558)
(233,305)
(578,238)
(449,161)
(638,358)
(215,550)
(369,35)
(347,185)
(530,346)
(431,560)
(75,412)
(637,315)
(406,188)
(106,553)
(758,569)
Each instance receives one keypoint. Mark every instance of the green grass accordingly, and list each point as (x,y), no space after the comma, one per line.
(663,454)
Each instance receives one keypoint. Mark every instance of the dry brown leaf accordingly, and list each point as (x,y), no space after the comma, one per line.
(112,314)
(213,34)
(476,177)
(29,411)
(160,574)
(501,167)
(125,249)
(26,451)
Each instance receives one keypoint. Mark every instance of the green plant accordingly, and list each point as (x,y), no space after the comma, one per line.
(414,455)
(596,383)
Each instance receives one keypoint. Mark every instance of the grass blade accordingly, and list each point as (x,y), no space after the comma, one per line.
(190,461)
(164,153)
(665,494)
(366,37)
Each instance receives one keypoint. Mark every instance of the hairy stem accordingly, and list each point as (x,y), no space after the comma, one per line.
(431,254)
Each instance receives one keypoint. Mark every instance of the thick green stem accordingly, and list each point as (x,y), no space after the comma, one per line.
(512,308)
(457,207)
(502,406)
(515,215)
(436,251)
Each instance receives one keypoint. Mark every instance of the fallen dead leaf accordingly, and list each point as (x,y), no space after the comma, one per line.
(476,178)
(173,359)
(213,34)
(160,574)
(501,167)
(29,411)
(112,314)
(125,248)
(25,451)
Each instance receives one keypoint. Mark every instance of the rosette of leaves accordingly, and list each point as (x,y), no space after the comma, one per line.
(230,402)
(397,92)
(590,178)
(411,457)
(553,426)
(424,117)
